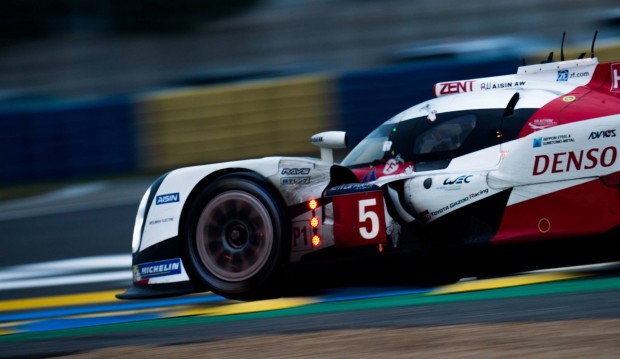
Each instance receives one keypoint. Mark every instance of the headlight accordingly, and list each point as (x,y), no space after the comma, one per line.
(137,228)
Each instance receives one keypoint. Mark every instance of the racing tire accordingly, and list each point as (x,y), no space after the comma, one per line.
(235,237)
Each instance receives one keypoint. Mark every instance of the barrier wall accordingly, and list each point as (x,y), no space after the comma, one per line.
(68,140)
(221,123)
(165,130)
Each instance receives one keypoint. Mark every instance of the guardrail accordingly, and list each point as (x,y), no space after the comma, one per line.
(67,140)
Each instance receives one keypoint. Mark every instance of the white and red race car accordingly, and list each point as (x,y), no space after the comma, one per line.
(490,162)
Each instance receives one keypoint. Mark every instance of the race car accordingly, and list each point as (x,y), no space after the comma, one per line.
(530,157)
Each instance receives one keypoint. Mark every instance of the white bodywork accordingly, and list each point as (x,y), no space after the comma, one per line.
(532,165)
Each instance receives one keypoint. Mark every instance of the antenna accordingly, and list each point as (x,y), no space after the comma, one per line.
(562,47)
(592,47)
(549,58)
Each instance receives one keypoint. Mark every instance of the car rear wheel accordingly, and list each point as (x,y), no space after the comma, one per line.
(235,237)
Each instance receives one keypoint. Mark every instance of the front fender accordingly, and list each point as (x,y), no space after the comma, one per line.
(162,221)
(296,179)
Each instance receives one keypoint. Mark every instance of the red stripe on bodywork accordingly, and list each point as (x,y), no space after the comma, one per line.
(590,101)
(586,209)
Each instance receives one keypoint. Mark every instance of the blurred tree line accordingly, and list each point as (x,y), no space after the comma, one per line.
(21,19)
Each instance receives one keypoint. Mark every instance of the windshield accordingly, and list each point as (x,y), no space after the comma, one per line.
(370,148)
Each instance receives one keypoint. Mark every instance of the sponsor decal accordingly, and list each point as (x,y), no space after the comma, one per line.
(295,171)
(480,193)
(159,268)
(542,123)
(569,98)
(564,75)
(431,214)
(459,202)
(595,135)
(574,75)
(158,221)
(552,140)
(352,187)
(615,78)
(501,85)
(392,165)
(454,183)
(289,181)
(428,215)
(448,88)
(459,180)
(574,160)
(441,210)
(316,139)
(167,198)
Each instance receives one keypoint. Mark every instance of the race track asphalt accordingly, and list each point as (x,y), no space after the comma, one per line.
(96,220)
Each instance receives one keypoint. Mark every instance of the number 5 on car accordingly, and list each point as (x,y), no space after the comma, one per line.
(359,219)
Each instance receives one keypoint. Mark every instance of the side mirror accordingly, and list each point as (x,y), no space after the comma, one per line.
(327,141)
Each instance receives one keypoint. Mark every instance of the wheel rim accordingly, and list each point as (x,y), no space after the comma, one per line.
(234,235)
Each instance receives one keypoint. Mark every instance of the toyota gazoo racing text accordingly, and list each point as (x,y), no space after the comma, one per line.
(488,163)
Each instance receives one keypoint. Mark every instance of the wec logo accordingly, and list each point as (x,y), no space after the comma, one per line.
(167,198)
(458,180)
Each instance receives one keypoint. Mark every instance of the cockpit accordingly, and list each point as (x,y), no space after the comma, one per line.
(427,142)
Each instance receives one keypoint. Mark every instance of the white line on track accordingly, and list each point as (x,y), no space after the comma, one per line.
(75,198)
(61,209)
(67,280)
(67,271)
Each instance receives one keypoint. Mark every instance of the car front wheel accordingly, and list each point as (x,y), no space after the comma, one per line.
(235,237)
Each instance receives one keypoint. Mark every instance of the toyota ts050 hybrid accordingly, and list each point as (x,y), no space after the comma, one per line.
(489,162)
